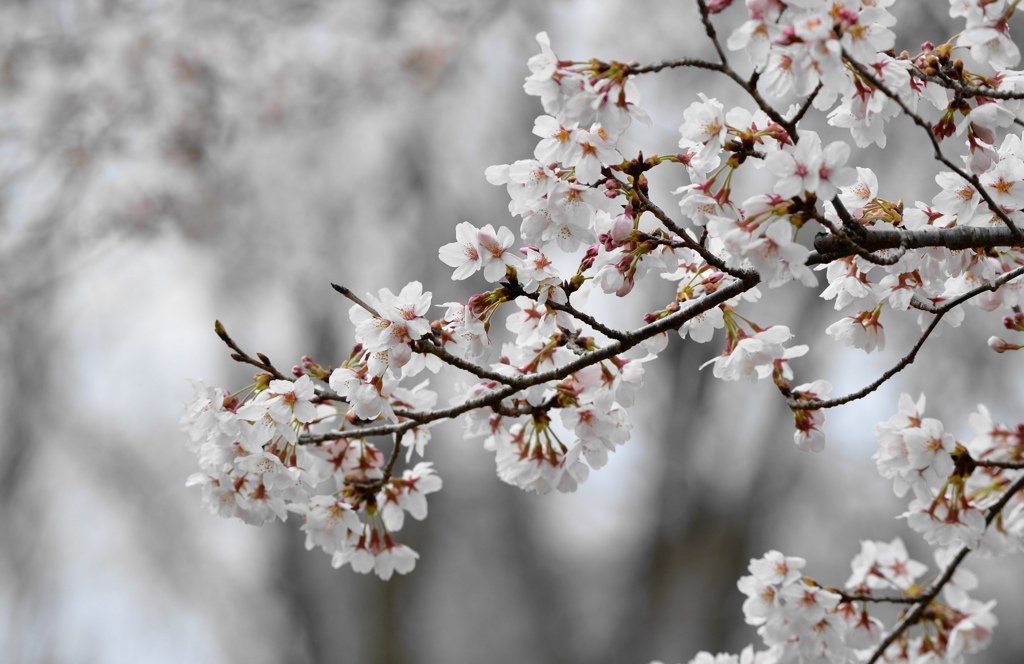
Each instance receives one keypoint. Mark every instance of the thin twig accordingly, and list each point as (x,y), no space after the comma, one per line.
(672,64)
(352,296)
(795,120)
(910,357)
(516,289)
(750,87)
(966,90)
(862,597)
(429,346)
(240,355)
(709,30)
(1009,465)
(667,222)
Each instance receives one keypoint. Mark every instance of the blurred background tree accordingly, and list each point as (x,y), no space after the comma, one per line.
(166,163)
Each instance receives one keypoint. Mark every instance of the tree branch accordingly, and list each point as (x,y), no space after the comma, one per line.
(912,355)
(520,383)
(831,247)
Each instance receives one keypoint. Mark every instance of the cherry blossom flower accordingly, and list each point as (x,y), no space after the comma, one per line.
(495,256)
(753,357)
(464,253)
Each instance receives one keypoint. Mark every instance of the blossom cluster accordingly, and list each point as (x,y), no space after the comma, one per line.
(952,492)
(254,469)
(801,621)
(551,385)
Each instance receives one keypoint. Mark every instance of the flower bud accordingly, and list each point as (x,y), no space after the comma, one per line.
(999,345)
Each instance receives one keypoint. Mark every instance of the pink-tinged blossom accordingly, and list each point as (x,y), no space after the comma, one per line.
(571,209)
(913,450)
(379,554)
(856,196)
(701,328)
(868,35)
(957,198)
(330,523)
(260,426)
(533,321)
(778,257)
(617,106)
(698,207)
(557,142)
(882,566)
(704,126)
(786,72)
(756,35)
(865,115)
(1005,183)
(776,568)
(797,167)
(992,44)
(286,400)
(862,331)
(368,401)
(974,630)
(720,658)
(848,285)
(942,527)
(464,253)
(527,181)
(539,275)
(540,82)
(464,334)
(753,357)
(495,253)
(809,435)
(408,494)
(594,150)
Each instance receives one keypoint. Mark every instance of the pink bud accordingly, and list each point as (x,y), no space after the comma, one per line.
(998,345)
(622,227)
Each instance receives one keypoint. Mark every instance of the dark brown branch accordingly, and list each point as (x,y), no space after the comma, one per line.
(831,247)
(845,239)
(861,597)
(672,64)
(370,488)
(750,87)
(709,30)
(1009,465)
(519,383)
(429,346)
